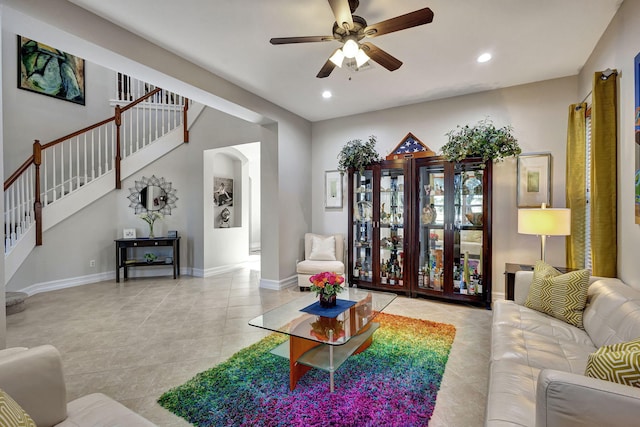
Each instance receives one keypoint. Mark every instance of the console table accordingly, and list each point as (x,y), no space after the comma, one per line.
(123,246)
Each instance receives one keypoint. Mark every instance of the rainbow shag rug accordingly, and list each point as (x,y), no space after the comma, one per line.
(393,383)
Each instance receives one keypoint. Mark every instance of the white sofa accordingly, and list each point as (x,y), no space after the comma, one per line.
(310,266)
(33,378)
(538,362)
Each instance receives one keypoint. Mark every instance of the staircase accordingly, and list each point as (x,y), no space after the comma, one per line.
(65,175)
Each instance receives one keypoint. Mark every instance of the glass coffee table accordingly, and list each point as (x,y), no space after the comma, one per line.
(323,342)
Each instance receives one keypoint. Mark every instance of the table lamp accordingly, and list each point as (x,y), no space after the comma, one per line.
(544,222)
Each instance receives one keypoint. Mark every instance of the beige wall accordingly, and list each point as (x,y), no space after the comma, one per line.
(538,113)
(616,49)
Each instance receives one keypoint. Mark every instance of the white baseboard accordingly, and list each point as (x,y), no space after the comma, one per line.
(199,272)
(278,285)
(53,285)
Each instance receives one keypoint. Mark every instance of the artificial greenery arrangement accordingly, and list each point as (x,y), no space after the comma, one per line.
(358,155)
(482,140)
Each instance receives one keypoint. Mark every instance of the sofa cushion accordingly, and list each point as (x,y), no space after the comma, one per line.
(511,398)
(313,267)
(99,410)
(323,248)
(562,296)
(613,313)
(618,363)
(537,350)
(12,414)
(511,314)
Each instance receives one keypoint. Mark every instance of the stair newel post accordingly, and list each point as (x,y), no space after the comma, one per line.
(118,121)
(184,120)
(37,204)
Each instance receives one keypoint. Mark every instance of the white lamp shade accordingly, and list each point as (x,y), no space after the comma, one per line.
(361,58)
(337,57)
(545,222)
(350,48)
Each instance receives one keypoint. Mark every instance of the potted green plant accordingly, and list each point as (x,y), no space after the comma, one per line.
(358,155)
(481,140)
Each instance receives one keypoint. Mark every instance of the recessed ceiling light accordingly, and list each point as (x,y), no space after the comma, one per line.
(326,94)
(484,57)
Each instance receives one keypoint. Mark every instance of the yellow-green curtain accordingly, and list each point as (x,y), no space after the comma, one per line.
(604,242)
(576,184)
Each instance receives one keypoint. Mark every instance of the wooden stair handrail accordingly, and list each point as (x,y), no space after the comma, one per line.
(141,99)
(104,122)
(14,176)
(35,158)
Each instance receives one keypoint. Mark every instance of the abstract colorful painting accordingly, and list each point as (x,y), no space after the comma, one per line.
(50,71)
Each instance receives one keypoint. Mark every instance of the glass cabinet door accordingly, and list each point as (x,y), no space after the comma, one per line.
(391,225)
(468,229)
(363,226)
(431,186)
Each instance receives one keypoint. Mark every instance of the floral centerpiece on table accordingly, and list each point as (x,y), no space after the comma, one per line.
(150,218)
(327,286)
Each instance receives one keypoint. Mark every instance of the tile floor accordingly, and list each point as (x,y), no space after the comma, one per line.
(137,340)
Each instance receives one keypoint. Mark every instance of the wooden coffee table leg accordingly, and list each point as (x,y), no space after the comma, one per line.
(298,347)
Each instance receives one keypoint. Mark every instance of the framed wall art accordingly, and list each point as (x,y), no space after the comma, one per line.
(49,71)
(223,202)
(332,189)
(534,180)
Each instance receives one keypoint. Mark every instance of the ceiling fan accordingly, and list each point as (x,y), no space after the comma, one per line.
(350,29)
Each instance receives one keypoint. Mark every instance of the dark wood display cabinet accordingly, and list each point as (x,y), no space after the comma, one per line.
(378,220)
(422,227)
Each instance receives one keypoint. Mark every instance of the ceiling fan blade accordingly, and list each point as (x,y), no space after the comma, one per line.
(342,12)
(309,39)
(389,62)
(409,20)
(326,69)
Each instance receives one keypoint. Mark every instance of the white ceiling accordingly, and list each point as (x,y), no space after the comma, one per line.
(530,40)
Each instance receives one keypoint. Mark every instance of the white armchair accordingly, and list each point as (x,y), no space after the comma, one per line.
(321,253)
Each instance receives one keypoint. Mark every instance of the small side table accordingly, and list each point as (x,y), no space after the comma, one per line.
(510,276)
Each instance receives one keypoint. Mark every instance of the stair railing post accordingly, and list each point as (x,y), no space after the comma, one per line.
(37,204)
(118,120)
(184,120)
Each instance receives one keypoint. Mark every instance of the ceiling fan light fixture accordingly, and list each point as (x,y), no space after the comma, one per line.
(350,48)
(361,58)
(337,57)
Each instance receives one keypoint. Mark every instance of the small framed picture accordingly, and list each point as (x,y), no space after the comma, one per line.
(534,180)
(172,234)
(129,233)
(332,190)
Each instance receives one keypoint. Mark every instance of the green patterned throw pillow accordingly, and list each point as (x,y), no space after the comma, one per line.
(562,296)
(11,414)
(618,363)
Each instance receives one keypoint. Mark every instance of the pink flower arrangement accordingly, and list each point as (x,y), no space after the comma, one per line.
(327,283)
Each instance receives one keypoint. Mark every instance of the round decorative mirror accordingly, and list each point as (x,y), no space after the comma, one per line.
(153,198)
(153,195)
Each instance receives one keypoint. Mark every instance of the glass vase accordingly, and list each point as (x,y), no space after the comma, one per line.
(327,301)
(151,236)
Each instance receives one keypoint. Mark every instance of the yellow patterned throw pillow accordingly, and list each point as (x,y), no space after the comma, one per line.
(562,296)
(11,414)
(619,363)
